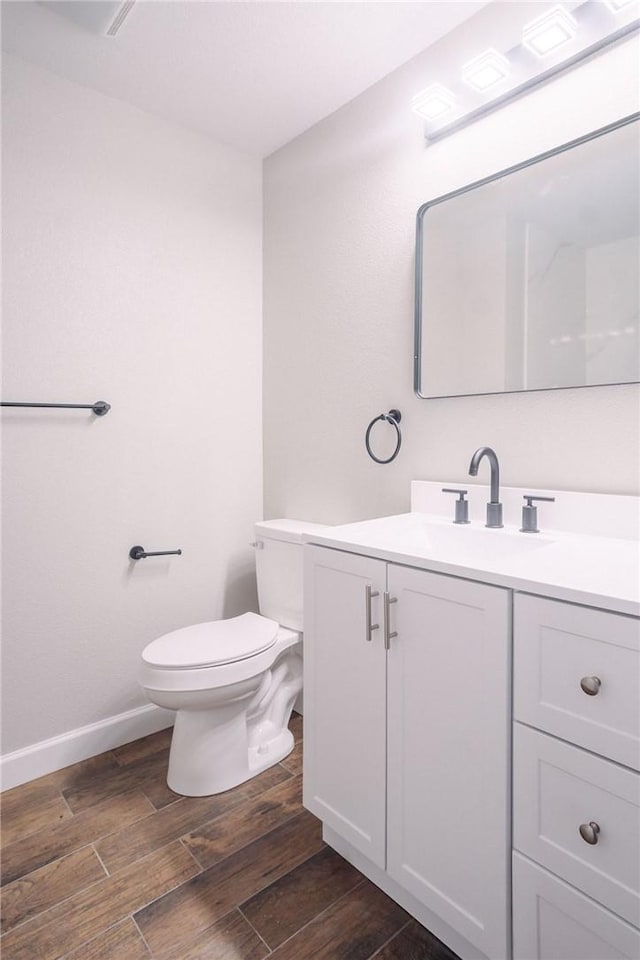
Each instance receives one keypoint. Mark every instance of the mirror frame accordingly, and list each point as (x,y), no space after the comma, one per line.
(419,292)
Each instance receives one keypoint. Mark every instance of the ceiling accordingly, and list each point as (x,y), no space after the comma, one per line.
(253,75)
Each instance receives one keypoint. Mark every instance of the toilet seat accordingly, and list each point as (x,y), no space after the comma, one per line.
(212,644)
(163,678)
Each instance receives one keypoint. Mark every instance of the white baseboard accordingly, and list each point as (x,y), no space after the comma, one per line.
(80,744)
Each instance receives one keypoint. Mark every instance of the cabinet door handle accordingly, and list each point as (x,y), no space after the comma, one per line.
(369,627)
(589,832)
(387,635)
(591,685)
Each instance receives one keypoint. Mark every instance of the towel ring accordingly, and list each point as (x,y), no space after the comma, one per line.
(393,417)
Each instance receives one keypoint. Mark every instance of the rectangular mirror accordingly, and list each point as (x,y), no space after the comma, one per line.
(528,280)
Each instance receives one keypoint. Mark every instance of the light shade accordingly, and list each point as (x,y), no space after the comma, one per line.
(546,33)
(484,72)
(528,55)
(433,102)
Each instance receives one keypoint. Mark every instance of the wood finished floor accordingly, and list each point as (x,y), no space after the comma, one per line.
(101,861)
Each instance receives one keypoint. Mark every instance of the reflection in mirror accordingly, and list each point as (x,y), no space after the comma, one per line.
(529,280)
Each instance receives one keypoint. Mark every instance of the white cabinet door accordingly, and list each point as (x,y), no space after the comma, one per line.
(345,698)
(448,751)
(553,921)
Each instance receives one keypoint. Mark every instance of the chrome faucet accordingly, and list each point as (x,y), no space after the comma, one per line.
(494,507)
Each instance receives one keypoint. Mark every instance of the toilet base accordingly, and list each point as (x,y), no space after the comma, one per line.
(271,752)
(216,748)
(189,777)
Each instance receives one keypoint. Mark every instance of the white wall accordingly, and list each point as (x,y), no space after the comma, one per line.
(132,274)
(340,206)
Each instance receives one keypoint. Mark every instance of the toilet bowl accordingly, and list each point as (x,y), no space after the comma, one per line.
(233,683)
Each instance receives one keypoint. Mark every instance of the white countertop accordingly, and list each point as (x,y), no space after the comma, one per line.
(597,571)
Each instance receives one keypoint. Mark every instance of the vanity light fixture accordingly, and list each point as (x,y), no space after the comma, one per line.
(546,33)
(486,71)
(433,102)
(523,56)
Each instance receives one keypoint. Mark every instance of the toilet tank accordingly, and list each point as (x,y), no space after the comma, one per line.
(279,569)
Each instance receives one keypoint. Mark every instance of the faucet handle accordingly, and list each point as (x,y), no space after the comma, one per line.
(462,505)
(530,513)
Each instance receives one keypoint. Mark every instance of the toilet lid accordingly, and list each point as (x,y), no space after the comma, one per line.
(212,643)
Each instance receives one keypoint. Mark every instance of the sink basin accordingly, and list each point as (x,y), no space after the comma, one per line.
(459,542)
(426,536)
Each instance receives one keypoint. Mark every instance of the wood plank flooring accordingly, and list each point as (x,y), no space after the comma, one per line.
(101,861)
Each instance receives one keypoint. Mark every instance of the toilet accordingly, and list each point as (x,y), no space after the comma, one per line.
(233,683)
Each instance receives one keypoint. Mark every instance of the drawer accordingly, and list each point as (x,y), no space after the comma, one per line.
(556,645)
(556,789)
(552,921)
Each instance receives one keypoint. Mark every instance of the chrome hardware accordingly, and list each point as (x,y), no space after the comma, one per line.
(589,832)
(462,505)
(591,685)
(494,507)
(393,417)
(368,626)
(387,635)
(100,407)
(139,553)
(530,513)
(257,545)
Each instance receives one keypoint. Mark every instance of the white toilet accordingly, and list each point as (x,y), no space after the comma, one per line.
(234,682)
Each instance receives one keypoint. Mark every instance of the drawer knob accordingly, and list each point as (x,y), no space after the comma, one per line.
(589,831)
(591,685)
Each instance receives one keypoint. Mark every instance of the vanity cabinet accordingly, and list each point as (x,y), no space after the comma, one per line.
(472,721)
(576,786)
(407,725)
